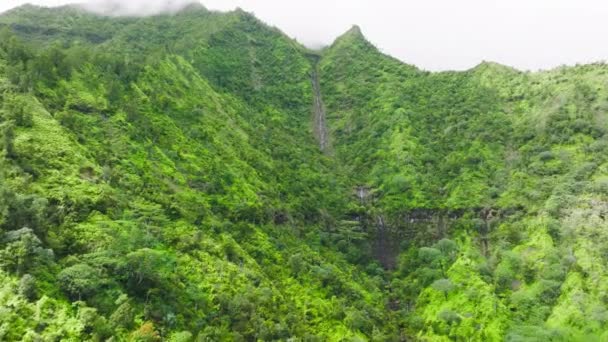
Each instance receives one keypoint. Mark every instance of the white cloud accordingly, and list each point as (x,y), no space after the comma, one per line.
(136,8)
(435,34)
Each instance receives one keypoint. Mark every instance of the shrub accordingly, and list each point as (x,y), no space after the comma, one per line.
(80,280)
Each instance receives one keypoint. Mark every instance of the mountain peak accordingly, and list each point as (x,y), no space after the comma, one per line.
(353,38)
(493,67)
(354,32)
(354,35)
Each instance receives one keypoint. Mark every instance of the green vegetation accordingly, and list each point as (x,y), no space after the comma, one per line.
(160,180)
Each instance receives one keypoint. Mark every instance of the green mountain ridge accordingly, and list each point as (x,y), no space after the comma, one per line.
(201,176)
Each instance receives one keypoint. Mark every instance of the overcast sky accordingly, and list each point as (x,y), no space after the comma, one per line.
(438,34)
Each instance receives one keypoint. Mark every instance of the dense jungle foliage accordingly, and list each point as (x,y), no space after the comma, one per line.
(160,180)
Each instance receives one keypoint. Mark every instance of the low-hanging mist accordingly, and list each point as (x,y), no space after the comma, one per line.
(136,8)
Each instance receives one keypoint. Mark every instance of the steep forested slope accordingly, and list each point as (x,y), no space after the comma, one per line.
(163,191)
(506,164)
(160,180)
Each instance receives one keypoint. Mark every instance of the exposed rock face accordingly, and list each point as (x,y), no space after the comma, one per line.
(423,227)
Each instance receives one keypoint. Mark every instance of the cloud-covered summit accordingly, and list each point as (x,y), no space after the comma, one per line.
(137,7)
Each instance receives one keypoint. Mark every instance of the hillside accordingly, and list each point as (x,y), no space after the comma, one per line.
(508,165)
(202,176)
